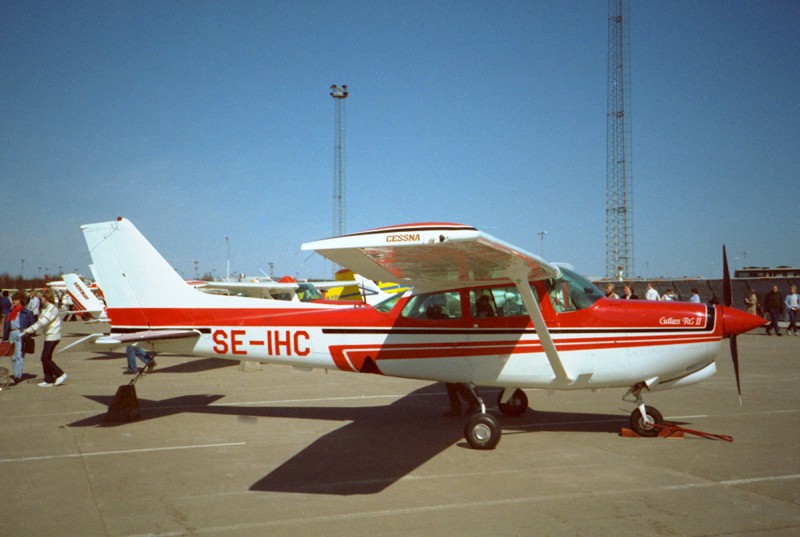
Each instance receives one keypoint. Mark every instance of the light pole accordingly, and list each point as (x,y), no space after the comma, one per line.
(541,236)
(228,267)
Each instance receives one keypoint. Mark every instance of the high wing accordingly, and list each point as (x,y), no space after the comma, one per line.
(433,256)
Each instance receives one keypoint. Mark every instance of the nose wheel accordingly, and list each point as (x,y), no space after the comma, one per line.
(647,423)
(645,420)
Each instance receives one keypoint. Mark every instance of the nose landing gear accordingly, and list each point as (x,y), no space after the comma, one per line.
(645,420)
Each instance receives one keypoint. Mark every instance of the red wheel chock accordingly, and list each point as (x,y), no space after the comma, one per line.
(671,430)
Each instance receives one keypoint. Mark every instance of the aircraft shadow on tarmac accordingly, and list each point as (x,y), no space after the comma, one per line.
(379,445)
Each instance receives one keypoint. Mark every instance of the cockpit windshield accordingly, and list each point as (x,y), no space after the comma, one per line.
(307,292)
(386,305)
(570,291)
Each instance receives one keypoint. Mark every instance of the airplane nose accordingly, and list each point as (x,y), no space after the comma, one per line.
(736,322)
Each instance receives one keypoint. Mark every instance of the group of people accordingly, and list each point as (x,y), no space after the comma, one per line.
(23,317)
(650,293)
(774,308)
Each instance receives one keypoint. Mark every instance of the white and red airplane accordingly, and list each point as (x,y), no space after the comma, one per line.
(84,300)
(481,312)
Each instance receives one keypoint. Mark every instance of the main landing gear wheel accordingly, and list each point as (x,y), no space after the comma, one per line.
(482,431)
(516,406)
(646,427)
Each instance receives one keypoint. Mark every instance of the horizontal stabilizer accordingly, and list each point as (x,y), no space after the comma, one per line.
(109,342)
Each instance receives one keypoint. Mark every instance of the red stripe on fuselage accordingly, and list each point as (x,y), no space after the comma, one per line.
(351,357)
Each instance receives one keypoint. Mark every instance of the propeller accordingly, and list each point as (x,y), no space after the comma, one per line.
(728,298)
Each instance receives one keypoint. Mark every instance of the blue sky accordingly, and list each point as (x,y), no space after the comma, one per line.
(201,120)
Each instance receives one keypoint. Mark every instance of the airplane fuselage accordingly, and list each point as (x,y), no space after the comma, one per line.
(612,343)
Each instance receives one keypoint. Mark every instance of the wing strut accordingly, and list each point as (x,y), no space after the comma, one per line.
(532,305)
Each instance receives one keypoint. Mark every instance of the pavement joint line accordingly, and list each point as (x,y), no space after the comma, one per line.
(120,452)
(481,504)
(244,403)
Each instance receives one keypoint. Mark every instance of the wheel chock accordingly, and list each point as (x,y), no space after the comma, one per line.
(664,432)
(670,430)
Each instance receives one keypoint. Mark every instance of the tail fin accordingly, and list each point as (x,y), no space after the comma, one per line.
(142,290)
(370,291)
(131,273)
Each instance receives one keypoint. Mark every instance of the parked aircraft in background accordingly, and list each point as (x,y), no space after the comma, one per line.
(350,286)
(481,312)
(254,287)
(84,301)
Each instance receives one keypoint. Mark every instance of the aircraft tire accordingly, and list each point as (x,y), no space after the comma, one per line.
(516,406)
(482,431)
(646,428)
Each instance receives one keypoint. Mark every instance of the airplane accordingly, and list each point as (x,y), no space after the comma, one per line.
(480,312)
(84,300)
(350,286)
(254,287)
(287,288)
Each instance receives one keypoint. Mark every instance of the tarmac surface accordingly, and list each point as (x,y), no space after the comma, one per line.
(223,450)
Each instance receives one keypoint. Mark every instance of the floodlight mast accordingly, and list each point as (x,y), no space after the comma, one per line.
(619,174)
(339,95)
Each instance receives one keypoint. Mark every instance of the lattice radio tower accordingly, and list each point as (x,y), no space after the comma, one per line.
(339,95)
(619,175)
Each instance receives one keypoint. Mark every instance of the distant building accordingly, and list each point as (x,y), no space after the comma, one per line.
(768,272)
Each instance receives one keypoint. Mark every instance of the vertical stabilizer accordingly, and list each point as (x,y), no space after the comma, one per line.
(129,270)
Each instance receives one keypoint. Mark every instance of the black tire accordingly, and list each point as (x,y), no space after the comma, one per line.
(516,406)
(482,431)
(649,427)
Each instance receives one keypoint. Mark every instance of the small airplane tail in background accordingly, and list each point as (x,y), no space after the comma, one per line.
(84,300)
(356,287)
(371,293)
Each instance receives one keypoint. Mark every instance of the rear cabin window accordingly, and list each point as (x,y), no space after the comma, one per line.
(496,302)
(434,306)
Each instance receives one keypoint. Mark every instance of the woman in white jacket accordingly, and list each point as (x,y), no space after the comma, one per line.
(50,322)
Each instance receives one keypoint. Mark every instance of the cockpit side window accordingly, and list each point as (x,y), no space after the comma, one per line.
(496,302)
(445,305)
(570,291)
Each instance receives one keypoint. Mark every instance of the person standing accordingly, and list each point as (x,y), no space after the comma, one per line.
(695,296)
(454,389)
(792,304)
(628,294)
(5,305)
(773,306)
(17,320)
(651,293)
(34,304)
(610,291)
(752,303)
(50,322)
(133,352)
(669,295)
